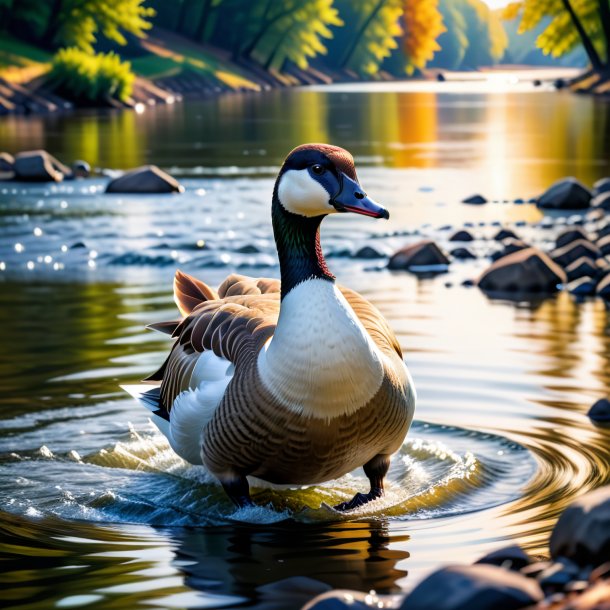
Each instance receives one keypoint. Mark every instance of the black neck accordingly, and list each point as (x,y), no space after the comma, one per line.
(298,246)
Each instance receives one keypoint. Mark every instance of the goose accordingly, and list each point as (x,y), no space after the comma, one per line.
(294,381)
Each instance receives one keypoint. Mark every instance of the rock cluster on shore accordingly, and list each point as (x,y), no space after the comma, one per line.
(575,577)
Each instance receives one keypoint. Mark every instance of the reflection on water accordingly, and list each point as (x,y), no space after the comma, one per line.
(98,512)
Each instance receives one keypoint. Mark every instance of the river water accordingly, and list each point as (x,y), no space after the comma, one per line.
(96,510)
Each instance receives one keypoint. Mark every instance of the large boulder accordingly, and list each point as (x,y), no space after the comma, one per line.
(600,411)
(602,186)
(39,166)
(569,235)
(422,256)
(145,179)
(582,532)
(575,250)
(525,271)
(476,587)
(566,194)
(602,201)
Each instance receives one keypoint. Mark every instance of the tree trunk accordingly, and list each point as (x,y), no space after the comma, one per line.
(590,49)
(53,24)
(203,20)
(263,30)
(604,13)
(363,28)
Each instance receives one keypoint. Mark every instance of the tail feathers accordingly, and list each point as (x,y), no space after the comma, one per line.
(166,328)
(151,400)
(190,292)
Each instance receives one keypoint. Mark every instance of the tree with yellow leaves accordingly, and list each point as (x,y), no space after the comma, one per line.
(423,25)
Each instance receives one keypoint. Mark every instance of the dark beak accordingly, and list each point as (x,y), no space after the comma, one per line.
(351,198)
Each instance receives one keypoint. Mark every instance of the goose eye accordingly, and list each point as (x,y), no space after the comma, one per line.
(317,169)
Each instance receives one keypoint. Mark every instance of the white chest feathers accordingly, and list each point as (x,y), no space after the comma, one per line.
(321,361)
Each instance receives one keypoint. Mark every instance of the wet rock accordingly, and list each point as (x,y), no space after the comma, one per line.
(475,200)
(582,532)
(424,256)
(519,201)
(603,231)
(604,245)
(570,235)
(476,587)
(510,246)
(248,249)
(602,186)
(39,166)
(293,591)
(558,575)
(582,287)
(575,250)
(462,236)
(7,166)
(78,244)
(603,288)
(525,271)
(600,411)
(566,194)
(81,169)
(368,252)
(468,283)
(462,254)
(510,557)
(583,267)
(340,599)
(503,234)
(601,202)
(145,179)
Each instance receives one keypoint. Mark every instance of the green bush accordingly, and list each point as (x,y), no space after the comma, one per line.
(88,78)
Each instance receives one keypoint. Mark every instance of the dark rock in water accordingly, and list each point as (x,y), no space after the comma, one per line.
(537,82)
(569,235)
(292,591)
(603,288)
(582,267)
(510,246)
(575,250)
(78,244)
(510,557)
(81,169)
(582,532)
(521,223)
(39,166)
(601,202)
(248,249)
(145,179)
(559,83)
(468,283)
(7,166)
(503,234)
(340,599)
(440,77)
(424,254)
(558,575)
(519,201)
(582,287)
(476,587)
(602,186)
(462,236)
(475,200)
(368,252)
(604,245)
(600,411)
(603,230)
(525,271)
(496,223)
(566,194)
(462,253)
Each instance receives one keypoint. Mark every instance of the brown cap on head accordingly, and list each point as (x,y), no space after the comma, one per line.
(342,159)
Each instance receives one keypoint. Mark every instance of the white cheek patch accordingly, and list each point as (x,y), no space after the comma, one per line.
(300,194)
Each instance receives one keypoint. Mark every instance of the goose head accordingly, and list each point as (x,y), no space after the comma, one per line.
(320,179)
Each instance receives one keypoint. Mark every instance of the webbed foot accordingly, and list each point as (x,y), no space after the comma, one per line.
(360,500)
(239,491)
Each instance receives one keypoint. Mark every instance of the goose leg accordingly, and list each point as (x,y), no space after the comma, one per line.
(375,470)
(238,490)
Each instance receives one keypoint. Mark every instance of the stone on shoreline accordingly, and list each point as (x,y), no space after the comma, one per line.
(525,271)
(476,587)
(566,194)
(582,532)
(602,186)
(145,179)
(575,250)
(462,235)
(600,411)
(424,256)
(475,200)
(569,235)
(39,166)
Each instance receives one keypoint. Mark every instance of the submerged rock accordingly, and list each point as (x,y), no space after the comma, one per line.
(525,271)
(477,587)
(475,200)
(145,179)
(462,236)
(600,411)
(602,186)
(462,254)
(510,557)
(39,166)
(582,532)
(424,256)
(575,250)
(566,194)
(570,235)
(503,234)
